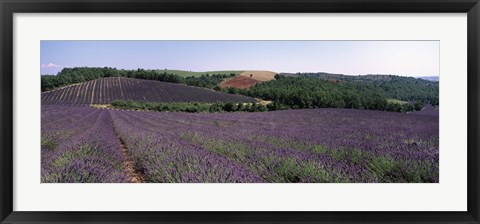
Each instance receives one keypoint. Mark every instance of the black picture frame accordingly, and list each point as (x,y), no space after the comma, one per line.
(9,7)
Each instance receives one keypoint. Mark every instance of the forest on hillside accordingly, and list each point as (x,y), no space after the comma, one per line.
(306,92)
(297,91)
(396,87)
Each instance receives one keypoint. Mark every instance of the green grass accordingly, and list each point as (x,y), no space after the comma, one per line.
(75,176)
(397,101)
(355,155)
(183,73)
(273,169)
(281,169)
(292,171)
(48,144)
(320,149)
(352,154)
(390,170)
(69,156)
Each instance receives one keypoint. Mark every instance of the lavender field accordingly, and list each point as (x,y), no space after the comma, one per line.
(106,90)
(83,144)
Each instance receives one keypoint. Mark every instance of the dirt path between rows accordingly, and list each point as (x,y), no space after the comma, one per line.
(136,176)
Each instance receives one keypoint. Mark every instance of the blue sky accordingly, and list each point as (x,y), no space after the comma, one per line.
(406,58)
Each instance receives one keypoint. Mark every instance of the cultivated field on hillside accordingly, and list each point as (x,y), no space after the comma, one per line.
(248,78)
(82,144)
(106,90)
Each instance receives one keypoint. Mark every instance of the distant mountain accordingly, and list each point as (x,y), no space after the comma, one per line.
(430,78)
(360,78)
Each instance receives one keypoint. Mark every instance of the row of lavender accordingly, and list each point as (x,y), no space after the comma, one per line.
(317,145)
(79,145)
(106,90)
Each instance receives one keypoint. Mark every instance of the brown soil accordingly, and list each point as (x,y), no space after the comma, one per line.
(244,80)
(264,102)
(101,106)
(135,175)
(241,82)
(261,76)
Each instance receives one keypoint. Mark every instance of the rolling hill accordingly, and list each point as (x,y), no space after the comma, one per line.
(106,90)
(69,76)
(247,79)
(391,86)
(362,78)
(430,78)
(183,73)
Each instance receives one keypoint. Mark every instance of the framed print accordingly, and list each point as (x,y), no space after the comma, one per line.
(239,111)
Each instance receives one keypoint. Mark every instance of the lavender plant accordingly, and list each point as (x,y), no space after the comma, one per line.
(81,144)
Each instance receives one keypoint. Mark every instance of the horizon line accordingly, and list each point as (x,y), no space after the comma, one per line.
(220,70)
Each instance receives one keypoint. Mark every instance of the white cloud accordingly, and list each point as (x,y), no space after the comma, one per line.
(51,65)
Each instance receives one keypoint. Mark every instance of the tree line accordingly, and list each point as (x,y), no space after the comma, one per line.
(190,107)
(70,76)
(305,92)
(392,86)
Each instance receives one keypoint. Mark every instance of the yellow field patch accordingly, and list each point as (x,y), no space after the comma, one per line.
(261,76)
